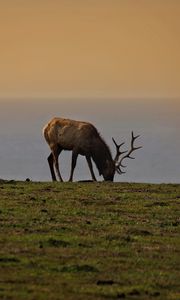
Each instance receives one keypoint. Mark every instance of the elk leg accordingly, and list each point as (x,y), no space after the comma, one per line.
(73,164)
(56,153)
(88,158)
(51,161)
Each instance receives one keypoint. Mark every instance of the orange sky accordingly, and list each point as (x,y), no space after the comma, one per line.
(91,48)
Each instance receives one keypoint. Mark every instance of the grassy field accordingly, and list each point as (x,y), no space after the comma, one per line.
(89,241)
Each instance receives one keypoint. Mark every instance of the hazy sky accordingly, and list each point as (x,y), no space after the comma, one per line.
(121,48)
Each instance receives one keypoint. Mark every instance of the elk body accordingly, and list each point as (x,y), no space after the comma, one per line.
(83,138)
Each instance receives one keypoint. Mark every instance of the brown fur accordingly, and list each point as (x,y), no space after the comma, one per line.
(81,138)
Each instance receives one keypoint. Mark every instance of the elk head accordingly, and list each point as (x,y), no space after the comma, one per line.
(120,155)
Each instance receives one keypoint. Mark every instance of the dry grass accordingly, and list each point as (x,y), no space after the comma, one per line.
(89,241)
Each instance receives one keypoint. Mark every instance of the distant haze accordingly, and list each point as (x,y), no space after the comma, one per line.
(115,63)
(23,150)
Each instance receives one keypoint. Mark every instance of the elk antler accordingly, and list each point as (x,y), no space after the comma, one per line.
(128,155)
(118,152)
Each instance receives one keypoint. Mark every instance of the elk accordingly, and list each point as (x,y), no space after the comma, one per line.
(83,138)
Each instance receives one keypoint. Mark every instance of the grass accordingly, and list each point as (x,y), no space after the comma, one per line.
(89,241)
